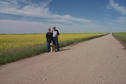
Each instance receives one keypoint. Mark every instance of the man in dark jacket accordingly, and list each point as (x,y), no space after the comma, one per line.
(49,37)
(55,38)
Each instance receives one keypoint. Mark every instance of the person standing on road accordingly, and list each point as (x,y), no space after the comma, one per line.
(55,38)
(49,37)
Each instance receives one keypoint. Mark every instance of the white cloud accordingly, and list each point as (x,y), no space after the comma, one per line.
(36,10)
(122,20)
(117,7)
(16,26)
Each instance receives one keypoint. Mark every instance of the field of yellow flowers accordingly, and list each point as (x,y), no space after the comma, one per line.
(8,42)
(17,46)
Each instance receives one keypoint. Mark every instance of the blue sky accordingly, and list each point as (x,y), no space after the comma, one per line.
(69,16)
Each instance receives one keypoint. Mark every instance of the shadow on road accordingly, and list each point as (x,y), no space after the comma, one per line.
(65,49)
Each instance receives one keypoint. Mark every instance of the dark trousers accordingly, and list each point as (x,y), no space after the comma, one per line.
(56,43)
(48,46)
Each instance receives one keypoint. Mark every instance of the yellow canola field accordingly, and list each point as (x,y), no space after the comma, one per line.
(12,41)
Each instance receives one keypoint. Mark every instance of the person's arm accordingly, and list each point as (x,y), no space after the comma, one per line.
(46,35)
(58,33)
(52,36)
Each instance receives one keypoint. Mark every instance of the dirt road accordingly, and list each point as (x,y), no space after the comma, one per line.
(98,61)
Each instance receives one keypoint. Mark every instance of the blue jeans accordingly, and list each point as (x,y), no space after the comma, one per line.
(56,43)
(48,46)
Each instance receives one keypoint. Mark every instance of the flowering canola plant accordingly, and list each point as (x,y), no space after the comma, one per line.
(13,41)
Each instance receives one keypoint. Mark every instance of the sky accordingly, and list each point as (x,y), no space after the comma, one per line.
(69,16)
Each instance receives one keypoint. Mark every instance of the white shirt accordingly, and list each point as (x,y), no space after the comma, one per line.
(54,33)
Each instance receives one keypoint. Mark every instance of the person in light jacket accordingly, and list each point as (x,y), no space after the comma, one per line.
(55,38)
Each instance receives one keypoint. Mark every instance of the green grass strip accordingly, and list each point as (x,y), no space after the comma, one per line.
(120,36)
